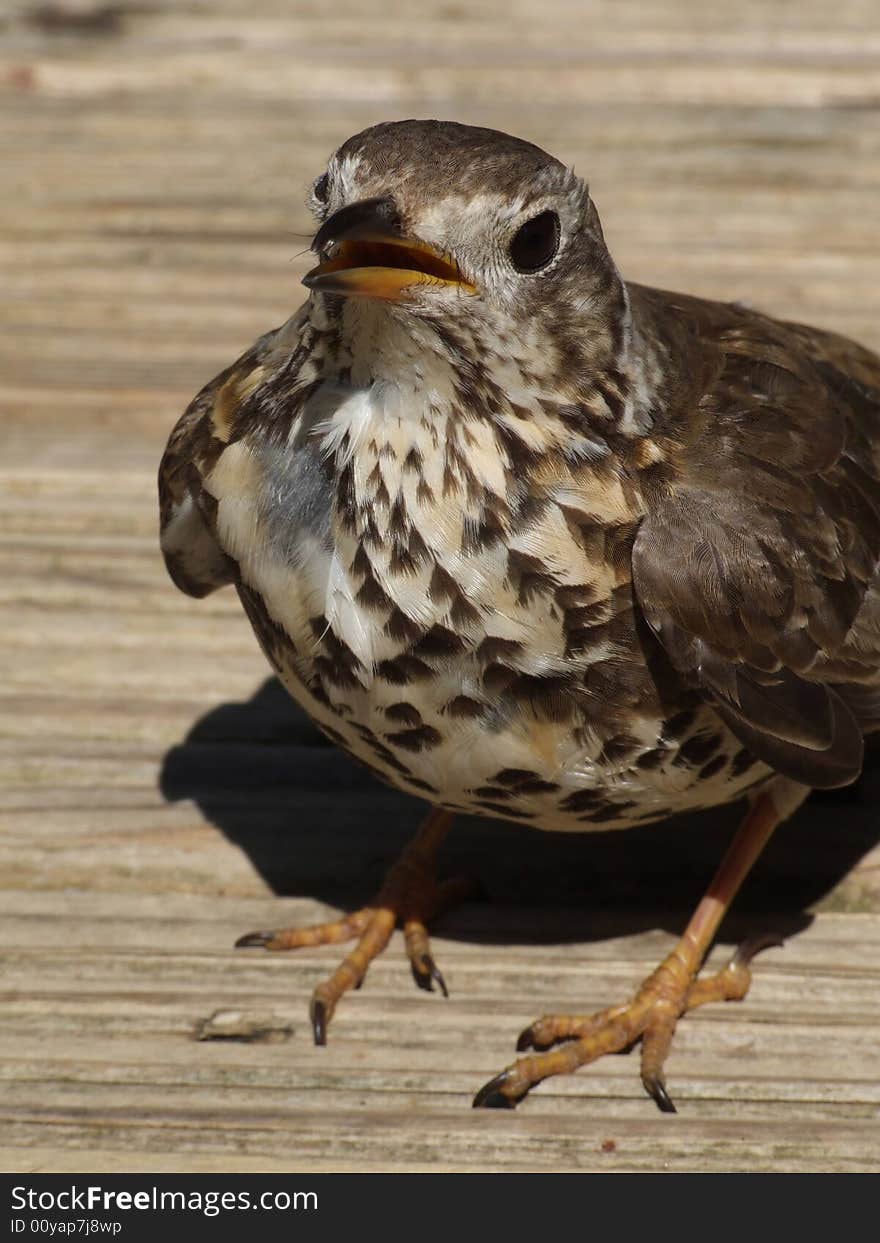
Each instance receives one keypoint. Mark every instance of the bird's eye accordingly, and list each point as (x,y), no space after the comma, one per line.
(535,243)
(321,188)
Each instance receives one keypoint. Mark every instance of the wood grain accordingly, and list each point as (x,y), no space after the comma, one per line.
(158,793)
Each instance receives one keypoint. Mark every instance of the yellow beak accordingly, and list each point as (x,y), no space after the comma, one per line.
(379,265)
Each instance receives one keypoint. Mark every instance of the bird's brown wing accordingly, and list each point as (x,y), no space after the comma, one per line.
(193,556)
(757,563)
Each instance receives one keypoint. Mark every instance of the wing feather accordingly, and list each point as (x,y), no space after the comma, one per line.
(193,556)
(757,565)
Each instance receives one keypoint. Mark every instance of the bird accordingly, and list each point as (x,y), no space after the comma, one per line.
(538,543)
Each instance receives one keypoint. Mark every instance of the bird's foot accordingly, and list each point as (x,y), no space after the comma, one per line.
(411,896)
(650,1017)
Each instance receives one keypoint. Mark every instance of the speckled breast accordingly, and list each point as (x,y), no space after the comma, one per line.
(468,634)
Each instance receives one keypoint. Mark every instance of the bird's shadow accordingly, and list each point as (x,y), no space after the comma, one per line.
(314,823)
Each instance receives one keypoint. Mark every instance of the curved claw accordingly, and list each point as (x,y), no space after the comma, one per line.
(526,1039)
(252,939)
(755,945)
(490,1095)
(426,974)
(318,1015)
(656,1089)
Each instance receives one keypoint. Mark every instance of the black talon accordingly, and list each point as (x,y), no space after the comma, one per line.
(251,939)
(434,973)
(422,978)
(318,1015)
(426,974)
(755,945)
(490,1095)
(656,1088)
(525,1040)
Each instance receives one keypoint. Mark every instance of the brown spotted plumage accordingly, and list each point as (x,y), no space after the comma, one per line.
(535,543)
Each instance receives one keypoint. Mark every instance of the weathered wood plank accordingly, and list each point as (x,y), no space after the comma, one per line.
(120,1057)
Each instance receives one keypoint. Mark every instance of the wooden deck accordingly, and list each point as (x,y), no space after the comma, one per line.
(158,792)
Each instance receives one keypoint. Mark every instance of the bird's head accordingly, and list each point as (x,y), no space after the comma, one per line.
(451,222)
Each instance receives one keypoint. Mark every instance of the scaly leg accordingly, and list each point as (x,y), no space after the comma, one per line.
(411,895)
(652,1014)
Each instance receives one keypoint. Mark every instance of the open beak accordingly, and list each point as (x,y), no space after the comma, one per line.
(364,254)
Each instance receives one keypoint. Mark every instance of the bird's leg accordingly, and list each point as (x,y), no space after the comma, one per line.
(652,1014)
(411,895)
